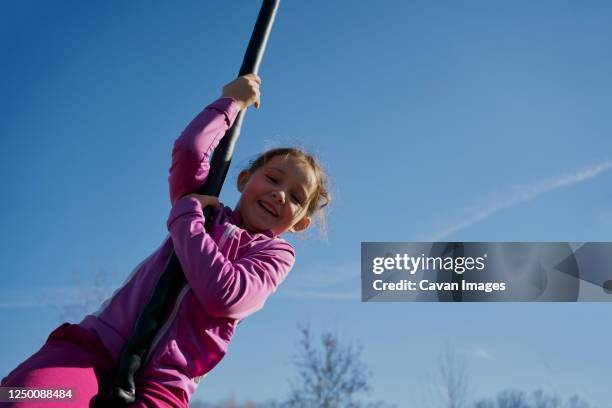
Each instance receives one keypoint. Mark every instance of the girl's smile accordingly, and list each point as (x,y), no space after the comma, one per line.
(276,195)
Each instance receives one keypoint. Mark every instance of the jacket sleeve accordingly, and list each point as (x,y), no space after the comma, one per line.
(224,288)
(192,150)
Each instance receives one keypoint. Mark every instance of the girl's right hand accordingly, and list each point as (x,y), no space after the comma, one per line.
(206,200)
(244,90)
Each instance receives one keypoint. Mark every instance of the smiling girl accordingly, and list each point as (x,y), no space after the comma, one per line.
(232,264)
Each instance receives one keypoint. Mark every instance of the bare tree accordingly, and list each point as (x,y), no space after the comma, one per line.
(330,375)
(484,404)
(448,387)
(90,292)
(576,402)
(537,399)
(542,400)
(454,379)
(512,399)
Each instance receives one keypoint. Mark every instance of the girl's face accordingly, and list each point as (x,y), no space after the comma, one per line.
(276,195)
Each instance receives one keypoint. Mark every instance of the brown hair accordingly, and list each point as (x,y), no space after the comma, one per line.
(321,197)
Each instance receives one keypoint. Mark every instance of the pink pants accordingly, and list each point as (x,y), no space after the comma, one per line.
(74,357)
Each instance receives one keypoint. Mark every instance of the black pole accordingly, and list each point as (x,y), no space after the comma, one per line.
(122,391)
(222,156)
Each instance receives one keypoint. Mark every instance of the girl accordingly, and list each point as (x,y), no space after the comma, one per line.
(231,268)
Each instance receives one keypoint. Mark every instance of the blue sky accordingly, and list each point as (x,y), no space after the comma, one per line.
(470,121)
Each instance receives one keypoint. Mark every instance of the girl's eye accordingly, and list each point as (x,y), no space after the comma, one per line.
(297,200)
(272,179)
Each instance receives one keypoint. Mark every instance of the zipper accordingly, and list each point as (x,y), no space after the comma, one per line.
(168,322)
(226,234)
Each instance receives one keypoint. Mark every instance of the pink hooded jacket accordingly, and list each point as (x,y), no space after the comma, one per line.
(230,272)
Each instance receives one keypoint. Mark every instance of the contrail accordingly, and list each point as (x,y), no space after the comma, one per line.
(335,281)
(521,194)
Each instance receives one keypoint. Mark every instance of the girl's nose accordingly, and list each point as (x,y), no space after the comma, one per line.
(279,196)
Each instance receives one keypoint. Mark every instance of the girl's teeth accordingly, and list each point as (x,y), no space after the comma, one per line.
(267,210)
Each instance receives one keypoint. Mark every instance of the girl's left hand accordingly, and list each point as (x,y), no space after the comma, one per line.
(206,200)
